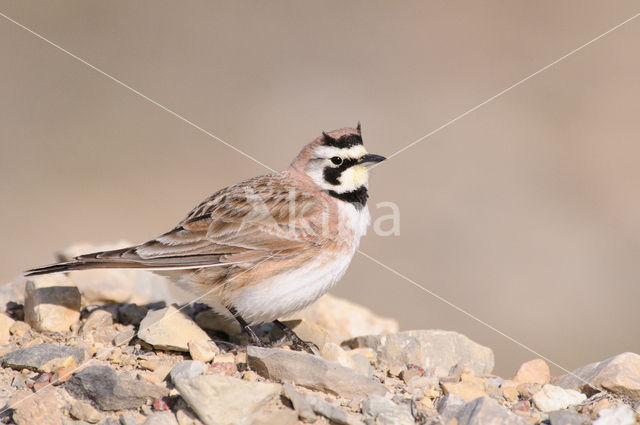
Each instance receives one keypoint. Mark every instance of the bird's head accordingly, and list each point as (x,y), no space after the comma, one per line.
(338,162)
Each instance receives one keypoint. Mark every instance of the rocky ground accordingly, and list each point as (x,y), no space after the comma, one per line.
(104,347)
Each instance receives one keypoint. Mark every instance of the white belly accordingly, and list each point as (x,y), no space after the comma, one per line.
(289,292)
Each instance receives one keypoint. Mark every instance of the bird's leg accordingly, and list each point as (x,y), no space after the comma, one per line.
(245,326)
(296,342)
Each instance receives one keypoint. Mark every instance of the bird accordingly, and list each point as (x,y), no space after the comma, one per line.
(268,246)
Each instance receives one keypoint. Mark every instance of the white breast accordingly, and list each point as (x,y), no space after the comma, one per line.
(289,292)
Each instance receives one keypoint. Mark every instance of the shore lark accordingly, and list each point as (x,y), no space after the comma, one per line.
(268,246)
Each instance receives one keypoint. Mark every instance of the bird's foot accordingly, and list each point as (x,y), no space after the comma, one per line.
(296,342)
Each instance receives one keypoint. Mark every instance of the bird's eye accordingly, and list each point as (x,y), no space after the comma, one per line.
(336,160)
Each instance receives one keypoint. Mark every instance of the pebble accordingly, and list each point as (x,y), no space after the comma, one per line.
(222,400)
(42,357)
(331,412)
(566,417)
(618,374)
(334,353)
(132,314)
(380,410)
(484,410)
(345,319)
(161,418)
(311,372)
(99,327)
(552,397)
(278,417)
(449,406)
(187,369)
(51,303)
(300,403)
(435,350)
(466,390)
(533,372)
(128,420)
(19,328)
(170,329)
(111,391)
(619,415)
(84,412)
(204,351)
(5,325)
(42,409)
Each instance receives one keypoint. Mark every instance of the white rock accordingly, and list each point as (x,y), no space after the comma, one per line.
(357,362)
(51,303)
(619,415)
(5,324)
(551,397)
(204,351)
(170,329)
(223,400)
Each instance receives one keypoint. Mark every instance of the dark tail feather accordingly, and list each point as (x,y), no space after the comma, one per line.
(60,267)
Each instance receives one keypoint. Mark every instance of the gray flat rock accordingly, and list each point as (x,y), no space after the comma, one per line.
(379,410)
(37,356)
(187,369)
(311,372)
(110,391)
(433,350)
(485,411)
(333,413)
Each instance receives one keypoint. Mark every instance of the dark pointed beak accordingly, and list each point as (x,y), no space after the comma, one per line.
(370,159)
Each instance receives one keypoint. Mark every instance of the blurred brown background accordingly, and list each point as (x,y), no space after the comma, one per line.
(525,213)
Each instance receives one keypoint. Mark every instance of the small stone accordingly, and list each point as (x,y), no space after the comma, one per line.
(132,314)
(124,336)
(161,418)
(225,368)
(187,417)
(331,412)
(435,350)
(533,372)
(510,394)
(128,420)
(300,403)
(187,369)
(42,357)
(42,409)
(111,391)
(312,372)
(551,397)
(334,353)
(51,303)
(619,415)
(380,410)
(345,319)
(170,329)
(279,417)
(449,406)
(109,421)
(222,400)
(619,374)
(567,417)
(98,327)
(466,390)
(19,329)
(5,325)
(484,410)
(205,351)
(84,412)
